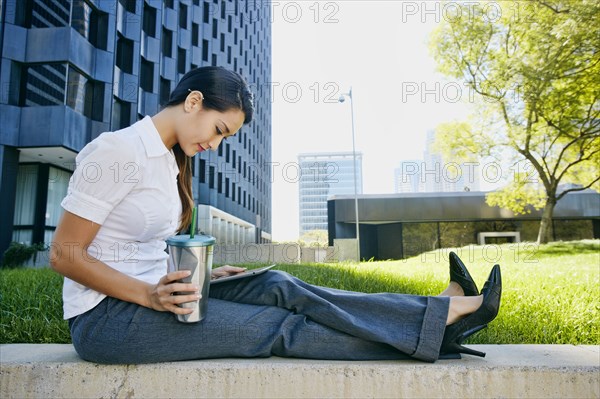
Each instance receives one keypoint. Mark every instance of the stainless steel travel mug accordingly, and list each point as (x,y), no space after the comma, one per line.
(195,254)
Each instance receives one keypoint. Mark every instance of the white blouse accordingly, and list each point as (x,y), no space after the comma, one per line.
(125,181)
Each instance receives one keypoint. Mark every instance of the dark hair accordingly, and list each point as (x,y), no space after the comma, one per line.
(222,90)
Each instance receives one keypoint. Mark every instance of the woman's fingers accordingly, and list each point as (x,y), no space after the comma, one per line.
(174,276)
(234,269)
(227,271)
(172,288)
(177,300)
(170,293)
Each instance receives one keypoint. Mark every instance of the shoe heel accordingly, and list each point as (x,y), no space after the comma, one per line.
(457,348)
(469,351)
(470,332)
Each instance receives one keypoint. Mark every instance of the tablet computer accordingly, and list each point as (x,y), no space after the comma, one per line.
(247,273)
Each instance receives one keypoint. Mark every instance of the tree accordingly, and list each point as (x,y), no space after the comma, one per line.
(533,72)
(314,237)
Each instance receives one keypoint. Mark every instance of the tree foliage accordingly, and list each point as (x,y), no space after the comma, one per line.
(314,237)
(533,68)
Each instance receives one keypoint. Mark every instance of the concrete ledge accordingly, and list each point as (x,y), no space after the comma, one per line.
(513,371)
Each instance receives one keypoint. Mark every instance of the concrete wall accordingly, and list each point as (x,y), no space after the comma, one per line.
(508,371)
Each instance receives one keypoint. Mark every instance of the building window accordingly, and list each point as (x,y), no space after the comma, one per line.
(121,114)
(46,14)
(25,198)
(220,183)
(229,54)
(205,50)
(183,16)
(215,30)
(147,75)
(164,91)
(26,193)
(181,60)
(90,23)
(85,95)
(222,42)
(128,5)
(170,4)
(202,171)
(167,43)
(195,34)
(227,187)
(211,177)
(149,26)
(124,54)
(44,84)
(205,12)
(214,60)
(16,83)
(58,182)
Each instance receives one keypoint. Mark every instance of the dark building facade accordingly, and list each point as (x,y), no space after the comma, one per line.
(72,69)
(397,226)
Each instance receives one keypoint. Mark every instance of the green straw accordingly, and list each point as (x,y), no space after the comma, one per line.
(193,228)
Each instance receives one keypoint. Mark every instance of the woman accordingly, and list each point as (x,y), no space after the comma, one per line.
(132,189)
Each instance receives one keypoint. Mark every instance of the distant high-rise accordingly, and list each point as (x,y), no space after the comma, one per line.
(72,69)
(322,175)
(445,175)
(407,178)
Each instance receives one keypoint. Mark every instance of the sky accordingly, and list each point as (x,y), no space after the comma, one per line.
(380,49)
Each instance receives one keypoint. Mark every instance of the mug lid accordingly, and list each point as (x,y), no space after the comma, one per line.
(199,240)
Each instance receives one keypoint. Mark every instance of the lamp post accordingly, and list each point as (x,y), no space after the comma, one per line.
(342,99)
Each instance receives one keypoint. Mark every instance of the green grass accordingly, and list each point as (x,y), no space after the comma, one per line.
(551,293)
(31,307)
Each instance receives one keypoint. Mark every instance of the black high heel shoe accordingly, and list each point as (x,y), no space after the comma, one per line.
(456,333)
(459,274)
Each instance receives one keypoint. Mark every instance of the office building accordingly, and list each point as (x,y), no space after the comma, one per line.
(397,226)
(407,178)
(434,174)
(72,69)
(323,175)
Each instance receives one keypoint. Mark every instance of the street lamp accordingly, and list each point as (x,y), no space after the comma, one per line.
(342,99)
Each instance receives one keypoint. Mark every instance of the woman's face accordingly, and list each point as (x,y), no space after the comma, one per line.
(203,129)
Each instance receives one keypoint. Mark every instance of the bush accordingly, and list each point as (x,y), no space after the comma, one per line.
(17,253)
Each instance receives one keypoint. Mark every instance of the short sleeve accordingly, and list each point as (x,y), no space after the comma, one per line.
(100,181)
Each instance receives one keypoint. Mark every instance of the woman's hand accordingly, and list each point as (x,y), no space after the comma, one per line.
(161,296)
(226,271)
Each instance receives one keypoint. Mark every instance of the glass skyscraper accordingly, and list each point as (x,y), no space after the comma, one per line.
(323,175)
(72,69)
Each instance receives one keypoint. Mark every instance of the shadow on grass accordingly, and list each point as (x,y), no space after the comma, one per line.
(361,280)
(569,247)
